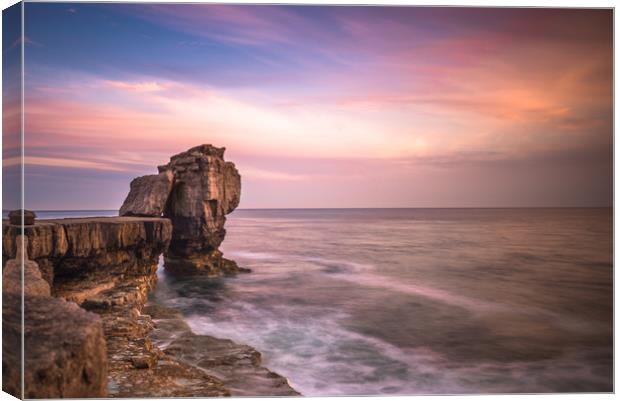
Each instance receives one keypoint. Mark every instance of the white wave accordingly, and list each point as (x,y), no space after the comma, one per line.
(378,281)
(253,255)
(362,274)
(322,357)
(353,267)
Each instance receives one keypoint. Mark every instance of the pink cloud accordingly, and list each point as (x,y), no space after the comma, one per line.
(477,92)
(147,86)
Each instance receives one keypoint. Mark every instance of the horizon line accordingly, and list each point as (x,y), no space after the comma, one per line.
(354,208)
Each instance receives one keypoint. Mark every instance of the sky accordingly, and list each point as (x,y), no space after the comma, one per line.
(322,106)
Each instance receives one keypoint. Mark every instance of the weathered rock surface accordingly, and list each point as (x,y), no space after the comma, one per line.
(32,283)
(107,266)
(72,248)
(87,334)
(211,263)
(147,195)
(64,346)
(65,350)
(198,188)
(11,344)
(238,366)
(205,189)
(137,367)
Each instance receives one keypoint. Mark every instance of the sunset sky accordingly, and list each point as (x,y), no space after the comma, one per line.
(322,106)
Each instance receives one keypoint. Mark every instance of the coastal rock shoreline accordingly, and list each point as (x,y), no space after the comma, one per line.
(238,366)
(107,266)
(100,270)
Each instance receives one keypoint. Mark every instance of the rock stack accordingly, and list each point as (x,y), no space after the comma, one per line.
(195,190)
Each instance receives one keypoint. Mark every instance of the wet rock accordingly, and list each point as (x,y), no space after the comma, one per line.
(147,195)
(137,367)
(169,378)
(238,366)
(208,263)
(142,362)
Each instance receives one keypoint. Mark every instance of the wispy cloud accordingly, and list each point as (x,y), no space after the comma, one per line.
(60,162)
(27,41)
(149,86)
(411,89)
(271,175)
(248,25)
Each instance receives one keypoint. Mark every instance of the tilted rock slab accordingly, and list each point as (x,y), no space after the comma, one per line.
(147,195)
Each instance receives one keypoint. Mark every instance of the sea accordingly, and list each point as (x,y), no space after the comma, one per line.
(413,301)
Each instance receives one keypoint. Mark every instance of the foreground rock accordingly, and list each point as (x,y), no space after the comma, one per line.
(31,283)
(238,366)
(137,367)
(204,189)
(64,346)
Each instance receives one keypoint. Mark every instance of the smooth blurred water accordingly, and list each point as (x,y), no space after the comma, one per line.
(416,301)
(413,301)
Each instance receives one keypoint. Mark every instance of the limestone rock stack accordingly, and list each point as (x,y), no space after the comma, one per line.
(195,190)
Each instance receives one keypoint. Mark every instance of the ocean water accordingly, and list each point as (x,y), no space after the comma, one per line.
(414,301)
(63,214)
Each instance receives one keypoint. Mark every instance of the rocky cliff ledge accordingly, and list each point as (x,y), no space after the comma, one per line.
(104,265)
(87,331)
(80,249)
